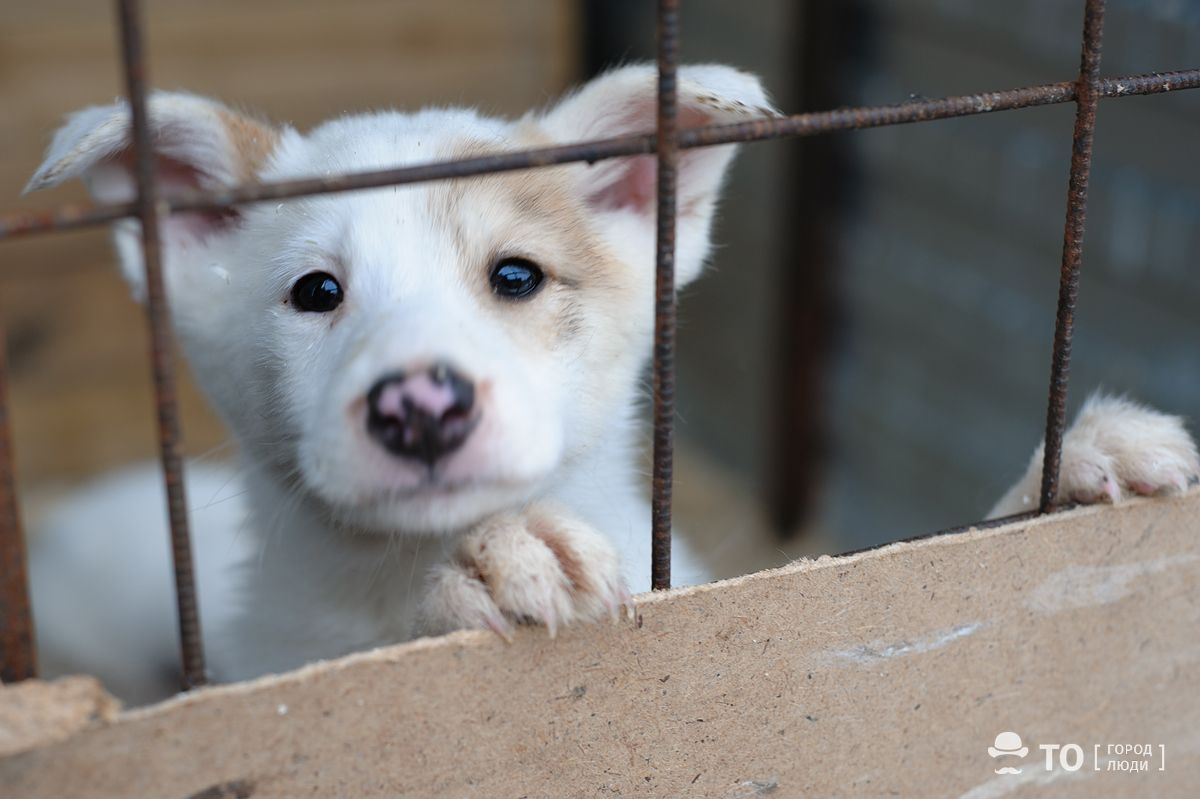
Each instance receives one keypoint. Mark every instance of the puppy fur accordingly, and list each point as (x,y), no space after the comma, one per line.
(539,516)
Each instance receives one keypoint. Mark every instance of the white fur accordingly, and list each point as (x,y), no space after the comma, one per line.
(101,578)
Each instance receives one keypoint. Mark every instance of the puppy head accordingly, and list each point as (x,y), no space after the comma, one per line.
(417,357)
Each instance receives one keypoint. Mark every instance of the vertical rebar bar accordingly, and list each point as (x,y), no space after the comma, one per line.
(664,296)
(1087,92)
(158,317)
(18,658)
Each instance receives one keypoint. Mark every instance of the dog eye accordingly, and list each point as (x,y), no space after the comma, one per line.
(318,292)
(516,278)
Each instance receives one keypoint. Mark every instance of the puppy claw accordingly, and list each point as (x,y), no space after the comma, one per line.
(1111,490)
(497,624)
(1145,489)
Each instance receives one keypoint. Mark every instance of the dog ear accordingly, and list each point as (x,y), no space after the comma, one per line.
(623,102)
(200,144)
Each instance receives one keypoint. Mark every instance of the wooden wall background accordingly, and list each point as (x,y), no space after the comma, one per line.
(81,396)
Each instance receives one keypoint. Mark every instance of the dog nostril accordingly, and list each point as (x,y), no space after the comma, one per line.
(423,415)
(461,390)
(440,373)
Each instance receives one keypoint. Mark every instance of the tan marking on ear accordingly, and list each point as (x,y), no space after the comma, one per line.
(691,207)
(728,106)
(253,142)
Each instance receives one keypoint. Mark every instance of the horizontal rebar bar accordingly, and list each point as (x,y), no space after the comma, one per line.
(21,223)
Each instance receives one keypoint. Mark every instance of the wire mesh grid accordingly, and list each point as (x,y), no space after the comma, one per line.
(17,659)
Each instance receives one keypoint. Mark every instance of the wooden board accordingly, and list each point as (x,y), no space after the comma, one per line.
(885,673)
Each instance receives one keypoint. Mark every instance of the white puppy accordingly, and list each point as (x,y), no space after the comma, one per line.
(435,387)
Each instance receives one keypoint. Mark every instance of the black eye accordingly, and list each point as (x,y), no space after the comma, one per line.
(516,278)
(318,292)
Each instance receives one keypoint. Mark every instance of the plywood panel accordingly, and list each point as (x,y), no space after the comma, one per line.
(886,673)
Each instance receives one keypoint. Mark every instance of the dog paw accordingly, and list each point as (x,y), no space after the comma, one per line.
(534,567)
(1118,448)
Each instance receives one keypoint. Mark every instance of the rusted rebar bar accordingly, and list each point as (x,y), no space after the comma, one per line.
(1087,94)
(161,360)
(18,657)
(22,223)
(667,148)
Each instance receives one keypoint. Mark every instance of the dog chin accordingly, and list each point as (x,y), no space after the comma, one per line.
(432,509)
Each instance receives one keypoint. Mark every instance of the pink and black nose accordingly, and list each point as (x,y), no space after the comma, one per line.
(422,415)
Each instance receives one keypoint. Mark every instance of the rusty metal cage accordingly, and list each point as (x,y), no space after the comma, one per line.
(17,658)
